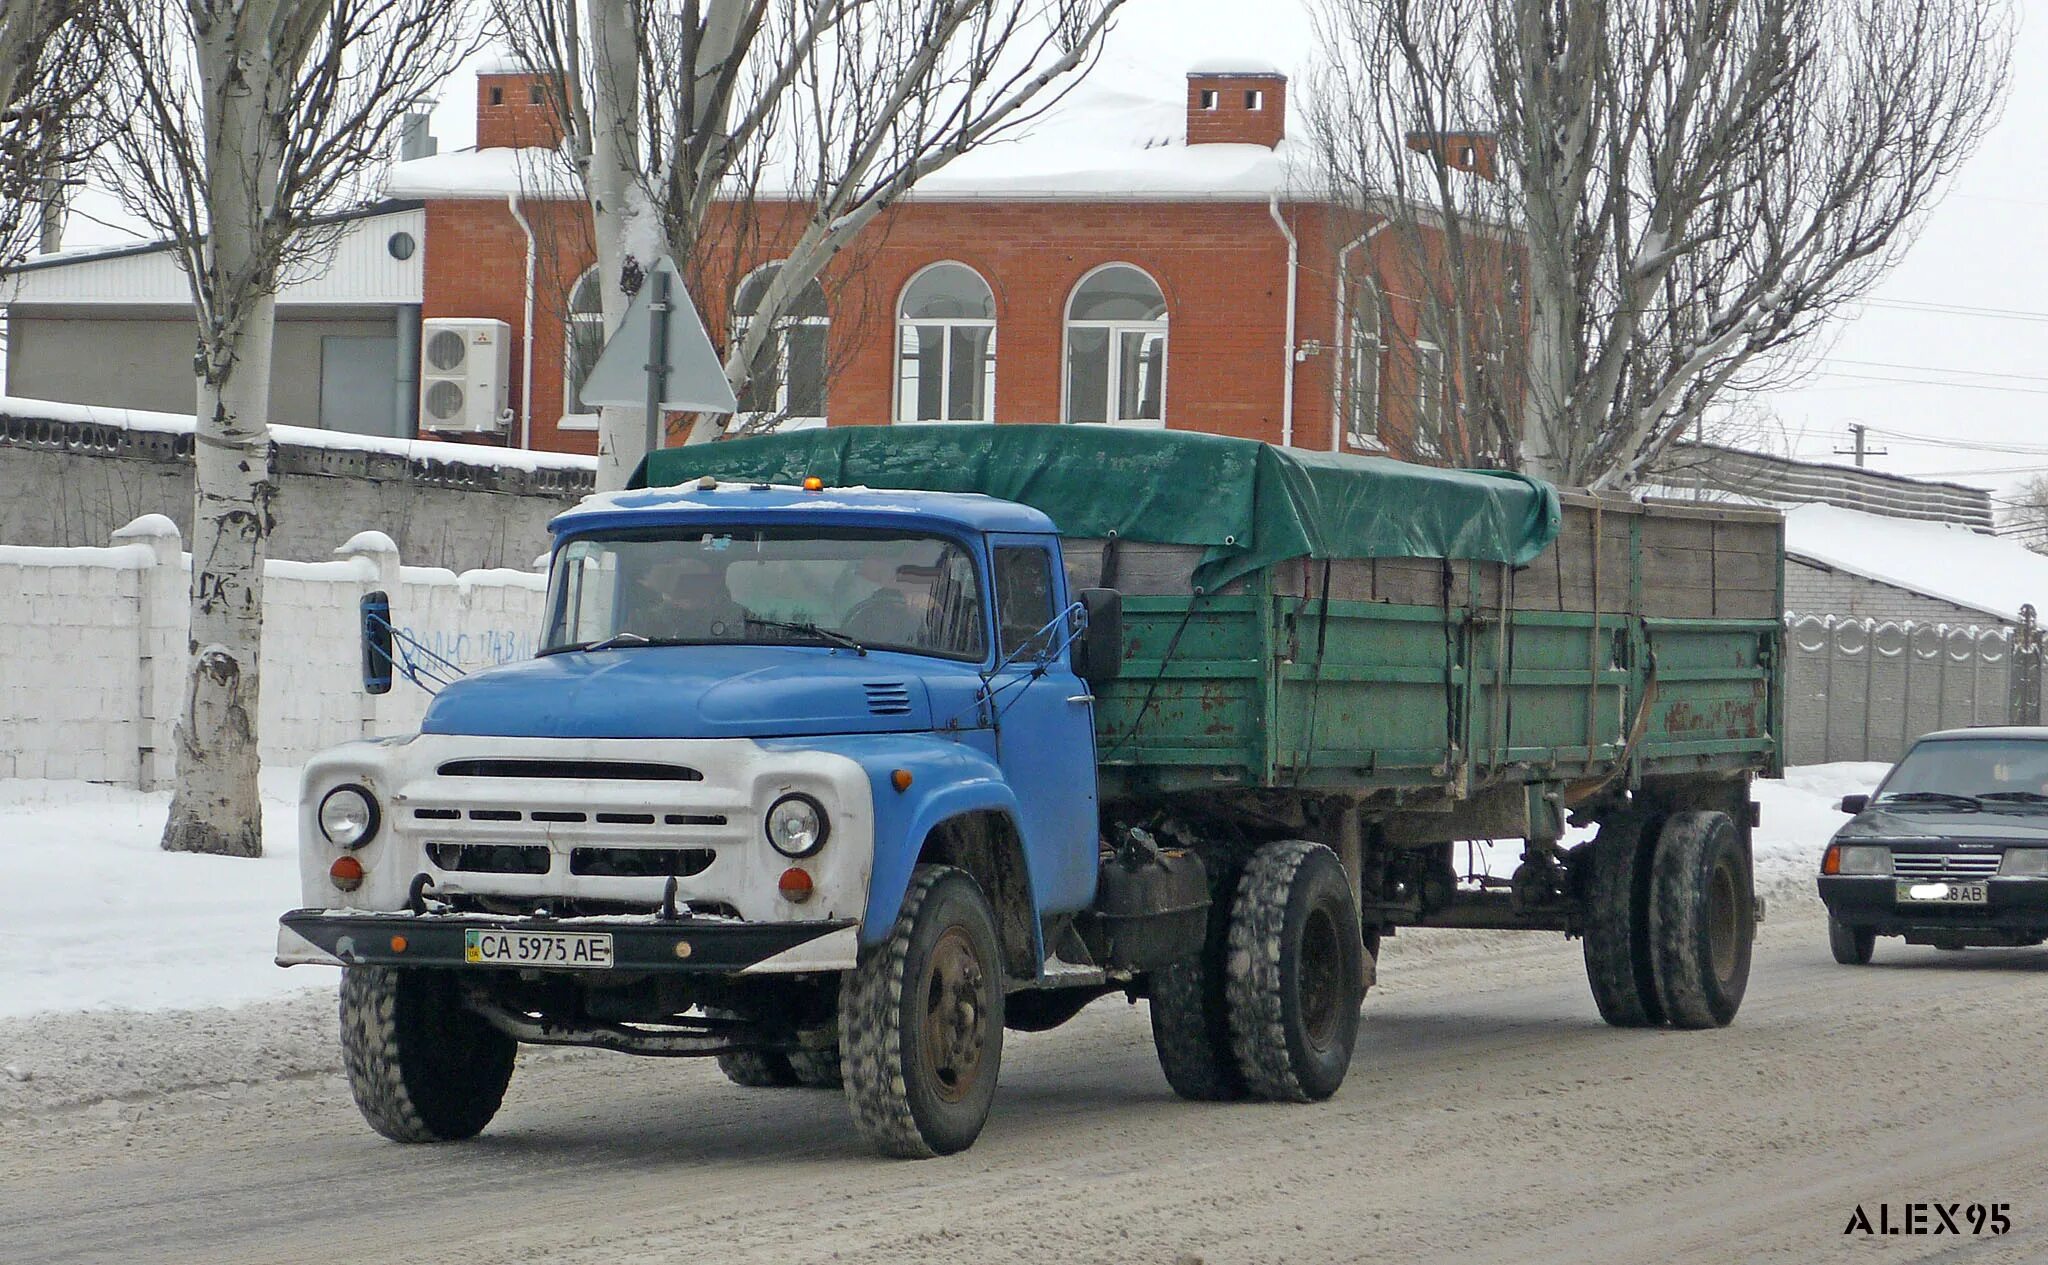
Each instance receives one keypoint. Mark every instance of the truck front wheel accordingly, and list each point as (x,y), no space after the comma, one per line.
(1296,972)
(422,1066)
(921,1021)
(1701,920)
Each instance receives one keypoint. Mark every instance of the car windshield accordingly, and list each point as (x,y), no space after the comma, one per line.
(1992,772)
(858,590)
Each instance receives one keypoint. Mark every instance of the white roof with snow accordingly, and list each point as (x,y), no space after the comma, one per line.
(1117,137)
(1942,560)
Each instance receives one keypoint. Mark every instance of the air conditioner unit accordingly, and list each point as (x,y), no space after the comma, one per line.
(465,374)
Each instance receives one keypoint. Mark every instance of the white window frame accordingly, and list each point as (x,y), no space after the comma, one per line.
(1359,342)
(944,327)
(1430,418)
(1114,376)
(572,319)
(738,327)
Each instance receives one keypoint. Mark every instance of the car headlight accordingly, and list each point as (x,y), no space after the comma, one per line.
(348,816)
(797,826)
(1864,859)
(2024,863)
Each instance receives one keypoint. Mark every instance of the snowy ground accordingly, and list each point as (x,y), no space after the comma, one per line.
(93,916)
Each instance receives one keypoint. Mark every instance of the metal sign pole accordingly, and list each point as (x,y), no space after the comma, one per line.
(657,357)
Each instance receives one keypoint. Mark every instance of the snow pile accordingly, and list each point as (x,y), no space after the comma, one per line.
(303,436)
(94,915)
(1939,559)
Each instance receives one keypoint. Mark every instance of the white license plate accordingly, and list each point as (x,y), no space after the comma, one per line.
(569,950)
(1944,894)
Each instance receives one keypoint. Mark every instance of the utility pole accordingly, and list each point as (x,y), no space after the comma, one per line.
(1858,432)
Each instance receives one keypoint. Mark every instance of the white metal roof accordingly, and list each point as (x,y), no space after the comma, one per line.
(362,271)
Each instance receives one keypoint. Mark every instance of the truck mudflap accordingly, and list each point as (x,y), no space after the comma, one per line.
(703,946)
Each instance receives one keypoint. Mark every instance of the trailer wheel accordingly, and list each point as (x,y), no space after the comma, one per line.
(1701,919)
(1296,972)
(1614,894)
(421,1065)
(921,1021)
(1852,946)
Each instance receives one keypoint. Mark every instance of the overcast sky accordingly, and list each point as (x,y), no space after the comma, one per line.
(1946,361)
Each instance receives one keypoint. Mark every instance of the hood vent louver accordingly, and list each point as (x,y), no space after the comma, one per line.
(888,698)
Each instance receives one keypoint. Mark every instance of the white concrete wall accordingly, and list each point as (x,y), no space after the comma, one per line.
(93,649)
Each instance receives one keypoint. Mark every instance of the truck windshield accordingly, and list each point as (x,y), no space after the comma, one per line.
(766,585)
(2007,772)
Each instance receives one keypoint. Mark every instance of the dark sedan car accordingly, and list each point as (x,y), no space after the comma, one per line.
(1950,850)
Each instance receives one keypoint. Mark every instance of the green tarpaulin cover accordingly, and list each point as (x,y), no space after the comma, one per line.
(1250,504)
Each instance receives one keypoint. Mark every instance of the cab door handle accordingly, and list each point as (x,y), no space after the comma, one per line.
(1080,698)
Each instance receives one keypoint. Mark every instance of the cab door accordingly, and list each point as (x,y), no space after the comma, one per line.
(1045,721)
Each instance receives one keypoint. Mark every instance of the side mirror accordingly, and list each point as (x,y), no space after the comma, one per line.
(1099,651)
(376,617)
(1853,804)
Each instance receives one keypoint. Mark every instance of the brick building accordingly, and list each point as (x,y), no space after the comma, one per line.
(1130,261)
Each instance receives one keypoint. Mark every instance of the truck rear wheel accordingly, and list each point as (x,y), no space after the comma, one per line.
(1615,895)
(422,1066)
(1191,1027)
(1296,972)
(816,1069)
(1701,919)
(921,1021)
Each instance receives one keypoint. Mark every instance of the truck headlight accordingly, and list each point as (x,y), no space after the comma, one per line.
(348,816)
(1864,859)
(2024,863)
(797,826)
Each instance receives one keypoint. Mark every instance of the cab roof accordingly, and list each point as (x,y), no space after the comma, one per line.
(723,501)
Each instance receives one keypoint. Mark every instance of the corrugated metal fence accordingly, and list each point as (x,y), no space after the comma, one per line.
(1863,689)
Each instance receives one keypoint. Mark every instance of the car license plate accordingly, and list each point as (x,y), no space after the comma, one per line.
(571,950)
(1944,894)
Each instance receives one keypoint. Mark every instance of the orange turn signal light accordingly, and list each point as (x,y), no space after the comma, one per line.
(398,944)
(347,873)
(795,885)
(900,779)
(814,484)
(1831,861)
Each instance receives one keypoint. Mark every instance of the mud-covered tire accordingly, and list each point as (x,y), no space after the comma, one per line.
(1191,1017)
(817,1069)
(1852,946)
(1701,919)
(921,1021)
(753,1069)
(1295,973)
(1615,899)
(422,1066)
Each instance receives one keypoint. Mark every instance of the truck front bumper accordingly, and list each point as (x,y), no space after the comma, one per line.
(702,946)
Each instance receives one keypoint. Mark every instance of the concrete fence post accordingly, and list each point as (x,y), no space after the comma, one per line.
(383,571)
(161,624)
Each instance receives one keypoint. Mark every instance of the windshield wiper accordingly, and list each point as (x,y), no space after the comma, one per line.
(808,629)
(2016,797)
(616,639)
(1933,797)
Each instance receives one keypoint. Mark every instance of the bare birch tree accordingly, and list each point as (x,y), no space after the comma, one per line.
(1685,194)
(250,119)
(51,55)
(694,124)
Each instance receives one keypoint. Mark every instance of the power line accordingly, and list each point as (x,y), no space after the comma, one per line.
(1959,309)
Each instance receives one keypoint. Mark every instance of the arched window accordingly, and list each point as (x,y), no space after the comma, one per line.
(582,342)
(946,347)
(1116,349)
(1362,370)
(789,375)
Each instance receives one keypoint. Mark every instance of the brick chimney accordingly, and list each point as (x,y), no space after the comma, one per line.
(514,107)
(1236,103)
(1474,152)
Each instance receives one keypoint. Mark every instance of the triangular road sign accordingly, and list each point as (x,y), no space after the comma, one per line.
(695,379)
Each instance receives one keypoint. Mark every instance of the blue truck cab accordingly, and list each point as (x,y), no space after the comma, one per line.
(803,778)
